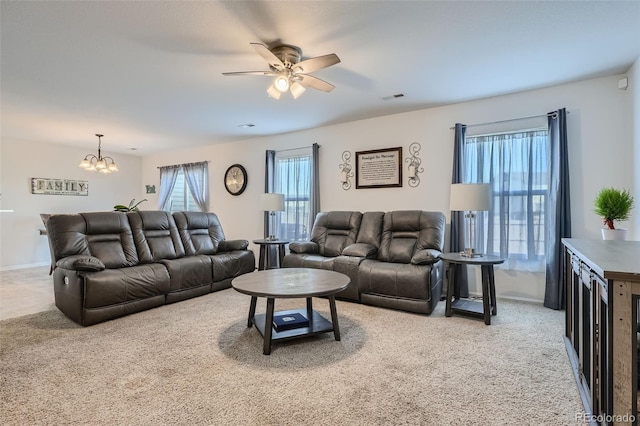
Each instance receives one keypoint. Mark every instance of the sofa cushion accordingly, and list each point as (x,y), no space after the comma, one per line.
(406,232)
(119,286)
(188,272)
(333,231)
(315,261)
(394,279)
(232,264)
(104,235)
(155,235)
(200,232)
(370,231)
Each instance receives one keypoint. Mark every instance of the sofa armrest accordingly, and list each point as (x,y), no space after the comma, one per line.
(81,263)
(368,251)
(426,257)
(306,247)
(231,245)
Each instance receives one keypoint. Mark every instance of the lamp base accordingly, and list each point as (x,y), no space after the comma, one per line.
(470,252)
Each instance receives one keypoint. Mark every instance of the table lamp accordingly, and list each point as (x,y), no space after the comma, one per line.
(470,198)
(272,203)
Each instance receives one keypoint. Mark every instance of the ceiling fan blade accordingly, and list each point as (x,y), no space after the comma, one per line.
(268,56)
(315,83)
(319,62)
(266,73)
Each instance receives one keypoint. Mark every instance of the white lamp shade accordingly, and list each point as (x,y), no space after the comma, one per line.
(271,202)
(296,90)
(273,92)
(470,197)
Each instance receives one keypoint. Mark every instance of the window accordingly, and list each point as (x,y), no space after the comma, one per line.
(516,166)
(183,187)
(293,179)
(181,198)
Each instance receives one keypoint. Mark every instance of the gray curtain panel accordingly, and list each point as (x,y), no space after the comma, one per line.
(168,176)
(269,184)
(315,186)
(558,210)
(197,177)
(456,239)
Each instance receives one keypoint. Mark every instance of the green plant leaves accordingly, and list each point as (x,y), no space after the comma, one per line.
(130,208)
(613,204)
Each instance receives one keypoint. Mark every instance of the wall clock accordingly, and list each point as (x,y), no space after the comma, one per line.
(235,179)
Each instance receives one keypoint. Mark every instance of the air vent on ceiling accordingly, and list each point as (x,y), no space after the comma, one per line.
(396,96)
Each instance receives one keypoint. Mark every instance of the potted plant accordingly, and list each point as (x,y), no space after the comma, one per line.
(130,208)
(613,205)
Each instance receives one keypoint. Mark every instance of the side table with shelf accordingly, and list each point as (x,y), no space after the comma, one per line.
(455,304)
(265,252)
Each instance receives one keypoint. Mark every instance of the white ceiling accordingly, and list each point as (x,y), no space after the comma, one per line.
(149,74)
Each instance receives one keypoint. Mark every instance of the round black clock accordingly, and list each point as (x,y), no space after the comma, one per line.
(235,179)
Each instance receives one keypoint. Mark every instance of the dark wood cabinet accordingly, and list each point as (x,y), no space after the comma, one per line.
(603,293)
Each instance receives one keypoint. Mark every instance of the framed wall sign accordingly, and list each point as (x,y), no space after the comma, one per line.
(46,186)
(379,168)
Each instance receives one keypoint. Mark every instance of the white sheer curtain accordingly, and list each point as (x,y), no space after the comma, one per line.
(516,166)
(196,175)
(168,176)
(293,179)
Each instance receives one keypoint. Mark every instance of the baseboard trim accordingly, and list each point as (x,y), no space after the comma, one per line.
(511,298)
(27,266)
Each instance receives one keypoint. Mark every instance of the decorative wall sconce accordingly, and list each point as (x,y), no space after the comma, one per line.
(346,171)
(414,164)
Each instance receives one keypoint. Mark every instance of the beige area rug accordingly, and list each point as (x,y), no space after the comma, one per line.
(196,362)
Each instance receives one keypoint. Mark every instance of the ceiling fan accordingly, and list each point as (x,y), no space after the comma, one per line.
(290,72)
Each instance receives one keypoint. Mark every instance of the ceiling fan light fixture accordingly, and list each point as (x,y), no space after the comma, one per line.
(296,89)
(273,92)
(281,83)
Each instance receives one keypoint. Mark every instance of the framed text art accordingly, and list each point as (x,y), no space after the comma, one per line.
(46,186)
(379,168)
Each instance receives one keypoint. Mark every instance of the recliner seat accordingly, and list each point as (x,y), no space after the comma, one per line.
(393,261)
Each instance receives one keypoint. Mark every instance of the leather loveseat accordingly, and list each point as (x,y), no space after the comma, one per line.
(110,264)
(393,258)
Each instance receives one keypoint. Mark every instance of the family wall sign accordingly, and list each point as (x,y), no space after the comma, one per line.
(46,186)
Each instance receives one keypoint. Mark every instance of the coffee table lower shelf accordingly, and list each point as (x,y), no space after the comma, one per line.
(317,324)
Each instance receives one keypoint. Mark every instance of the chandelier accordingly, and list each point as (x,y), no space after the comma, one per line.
(102,164)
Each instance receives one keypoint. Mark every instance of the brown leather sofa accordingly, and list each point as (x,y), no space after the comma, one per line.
(110,264)
(393,258)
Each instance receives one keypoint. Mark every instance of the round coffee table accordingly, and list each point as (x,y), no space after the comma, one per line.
(289,283)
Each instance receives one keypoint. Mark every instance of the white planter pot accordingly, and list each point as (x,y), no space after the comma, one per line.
(614,234)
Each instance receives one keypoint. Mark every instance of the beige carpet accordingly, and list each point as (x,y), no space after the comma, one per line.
(196,362)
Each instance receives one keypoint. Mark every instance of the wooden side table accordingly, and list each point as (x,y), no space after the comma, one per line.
(470,307)
(265,253)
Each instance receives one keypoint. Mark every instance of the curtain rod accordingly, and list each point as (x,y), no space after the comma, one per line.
(506,121)
(183,164)
(294,149)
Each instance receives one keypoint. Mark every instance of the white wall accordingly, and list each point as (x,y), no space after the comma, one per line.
(634,89)
(600,146)
(20,242)
(603,130)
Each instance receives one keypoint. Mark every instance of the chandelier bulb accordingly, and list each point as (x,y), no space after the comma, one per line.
(92,162)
